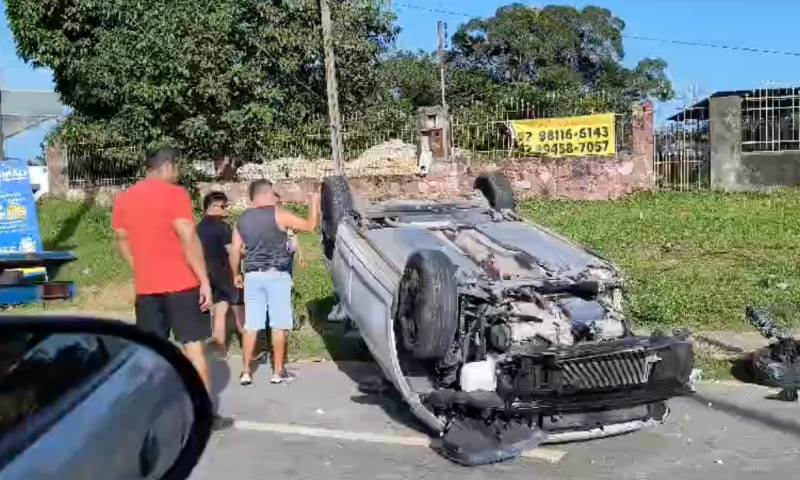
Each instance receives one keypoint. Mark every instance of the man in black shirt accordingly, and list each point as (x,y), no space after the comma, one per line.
(215,235)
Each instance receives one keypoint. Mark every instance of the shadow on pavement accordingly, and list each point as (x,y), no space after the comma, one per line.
(758,416)
(353,359)
(220,377)
(742,369)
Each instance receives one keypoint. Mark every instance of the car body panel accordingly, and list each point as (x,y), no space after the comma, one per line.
(398,244)
(135,394)
(367,286)
(554,254)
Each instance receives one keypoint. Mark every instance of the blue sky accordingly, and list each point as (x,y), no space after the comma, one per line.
(695,71)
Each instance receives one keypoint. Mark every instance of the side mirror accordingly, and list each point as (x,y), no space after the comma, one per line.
(86,398)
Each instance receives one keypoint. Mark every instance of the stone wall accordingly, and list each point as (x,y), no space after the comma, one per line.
(583,178)
(580,178)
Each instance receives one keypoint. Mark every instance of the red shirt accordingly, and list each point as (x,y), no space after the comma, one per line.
(147,211)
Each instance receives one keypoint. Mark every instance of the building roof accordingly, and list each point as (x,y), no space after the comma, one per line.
(699,111)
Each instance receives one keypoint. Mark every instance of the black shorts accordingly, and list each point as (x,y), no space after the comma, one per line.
(223,290)
(178,312)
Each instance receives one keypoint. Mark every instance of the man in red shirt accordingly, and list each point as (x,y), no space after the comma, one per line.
(155,234)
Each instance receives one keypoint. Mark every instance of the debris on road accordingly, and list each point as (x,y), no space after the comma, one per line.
(777,365)
(694,378)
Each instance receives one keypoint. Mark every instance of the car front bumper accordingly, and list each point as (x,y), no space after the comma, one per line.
(611,375)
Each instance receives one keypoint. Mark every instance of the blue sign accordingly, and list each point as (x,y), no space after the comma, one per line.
(19,226)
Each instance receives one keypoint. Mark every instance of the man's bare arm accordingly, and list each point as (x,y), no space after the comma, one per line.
(287,219)
(124,246)
(235,253)
(192,248)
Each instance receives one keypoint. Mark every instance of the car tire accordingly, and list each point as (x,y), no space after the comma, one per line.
(427,305)
(497,190)
(336,204)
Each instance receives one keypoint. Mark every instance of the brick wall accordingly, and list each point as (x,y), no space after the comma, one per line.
(573,179)
(582,178)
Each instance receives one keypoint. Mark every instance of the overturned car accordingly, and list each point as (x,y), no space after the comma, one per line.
(498,333)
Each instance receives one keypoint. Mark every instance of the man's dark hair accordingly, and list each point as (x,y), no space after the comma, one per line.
(212,197)
(257,186)
(157,158)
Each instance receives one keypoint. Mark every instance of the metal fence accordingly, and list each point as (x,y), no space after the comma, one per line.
(771,120)
(381,142)
(682,153)
(486,134)
(89,165)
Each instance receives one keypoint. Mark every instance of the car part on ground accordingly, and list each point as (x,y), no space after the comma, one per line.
(70,385)
(777,365)
(478,316)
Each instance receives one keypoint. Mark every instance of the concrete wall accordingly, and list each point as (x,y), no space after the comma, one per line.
(769,169)
(732,169)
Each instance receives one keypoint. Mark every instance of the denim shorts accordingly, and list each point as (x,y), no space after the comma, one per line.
(268,294)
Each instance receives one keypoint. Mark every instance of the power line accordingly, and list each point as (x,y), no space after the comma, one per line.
(713,45)
(436,10)
(632,37)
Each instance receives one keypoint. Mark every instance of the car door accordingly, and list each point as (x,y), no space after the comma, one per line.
(87,418)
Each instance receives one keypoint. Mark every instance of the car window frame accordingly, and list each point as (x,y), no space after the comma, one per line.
(20,437)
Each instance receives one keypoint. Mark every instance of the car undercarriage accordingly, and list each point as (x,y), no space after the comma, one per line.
(508,334)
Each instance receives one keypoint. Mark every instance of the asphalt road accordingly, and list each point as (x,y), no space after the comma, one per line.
(321,426)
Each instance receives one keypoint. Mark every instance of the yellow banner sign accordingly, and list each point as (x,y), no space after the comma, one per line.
(566,137)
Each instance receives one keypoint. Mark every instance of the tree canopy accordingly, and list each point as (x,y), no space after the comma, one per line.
(217,77)
(237,77)
(525,51)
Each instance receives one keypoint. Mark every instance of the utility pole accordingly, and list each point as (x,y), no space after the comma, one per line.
(441,61)
(333,89)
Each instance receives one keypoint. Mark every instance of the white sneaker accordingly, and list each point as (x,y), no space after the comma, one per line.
(282,377)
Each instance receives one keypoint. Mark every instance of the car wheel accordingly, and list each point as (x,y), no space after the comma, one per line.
(427,305)
(337,204)
(497,189)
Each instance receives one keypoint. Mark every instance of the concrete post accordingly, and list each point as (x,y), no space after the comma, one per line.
(725,136)
(57,170)
(642,138)
(433,137)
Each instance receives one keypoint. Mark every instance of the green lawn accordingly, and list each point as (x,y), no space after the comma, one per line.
(691,259)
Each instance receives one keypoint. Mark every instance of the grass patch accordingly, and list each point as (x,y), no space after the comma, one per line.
(691,259)
(84,230)
(715,368)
